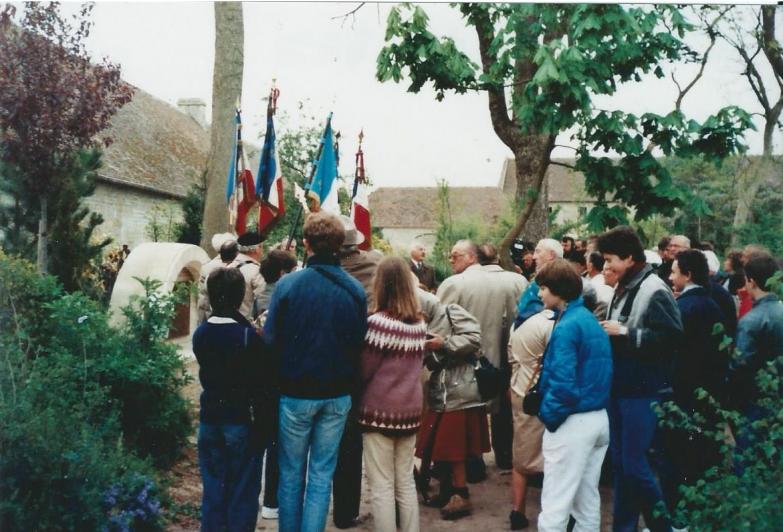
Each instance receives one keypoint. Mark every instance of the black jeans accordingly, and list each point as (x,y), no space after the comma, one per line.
(503,433)
(347,483)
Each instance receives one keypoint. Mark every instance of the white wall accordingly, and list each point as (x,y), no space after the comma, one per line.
(402,238)
(127,212)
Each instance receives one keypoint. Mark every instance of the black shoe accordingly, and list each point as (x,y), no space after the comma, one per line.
(351,523)
(438,501)
(518,520)
(505,466)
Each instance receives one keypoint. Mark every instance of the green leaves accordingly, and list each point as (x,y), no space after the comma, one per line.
(414,51)
(553,61)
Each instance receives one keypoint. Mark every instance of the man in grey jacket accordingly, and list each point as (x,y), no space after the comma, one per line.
(490,294)
(643,323)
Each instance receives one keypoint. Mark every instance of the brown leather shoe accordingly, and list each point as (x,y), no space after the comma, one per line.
(457,507)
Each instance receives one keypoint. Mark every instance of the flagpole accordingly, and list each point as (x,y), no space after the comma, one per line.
(309,183)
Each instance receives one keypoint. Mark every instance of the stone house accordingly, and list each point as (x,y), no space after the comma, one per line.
(408,214)
(158,153)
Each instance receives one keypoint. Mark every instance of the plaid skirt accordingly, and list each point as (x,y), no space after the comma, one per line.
(459,435)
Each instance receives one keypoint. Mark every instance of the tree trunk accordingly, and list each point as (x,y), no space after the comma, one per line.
(531,156)
(531,159)
(43,237)
(226,90)
(761,170)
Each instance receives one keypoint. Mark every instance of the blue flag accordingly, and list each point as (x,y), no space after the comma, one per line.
(232,170)
(267,166)
(323,191)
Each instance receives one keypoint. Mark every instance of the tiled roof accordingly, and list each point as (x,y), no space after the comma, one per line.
(563,184)
(155,147)
(401,207)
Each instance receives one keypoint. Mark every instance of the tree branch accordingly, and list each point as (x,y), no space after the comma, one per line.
(712,34)
(770,44)
(566,165)
(351,13)
(498,107)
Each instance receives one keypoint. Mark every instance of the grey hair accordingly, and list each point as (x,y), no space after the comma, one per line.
(469,246)
(683,238)
(552,245)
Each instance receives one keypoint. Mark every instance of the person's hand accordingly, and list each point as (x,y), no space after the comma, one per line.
(612,327)
(434,342)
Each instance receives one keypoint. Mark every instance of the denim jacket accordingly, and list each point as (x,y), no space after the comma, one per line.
(759,340)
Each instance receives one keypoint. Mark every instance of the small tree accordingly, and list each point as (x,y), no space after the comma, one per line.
(53,100)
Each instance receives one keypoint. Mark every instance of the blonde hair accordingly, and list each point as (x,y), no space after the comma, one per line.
(394,290)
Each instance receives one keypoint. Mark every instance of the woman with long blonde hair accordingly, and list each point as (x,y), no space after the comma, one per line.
(391,401)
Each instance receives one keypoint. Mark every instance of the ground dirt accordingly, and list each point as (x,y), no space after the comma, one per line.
(491,498)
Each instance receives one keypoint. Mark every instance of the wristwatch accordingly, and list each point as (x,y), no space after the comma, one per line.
(623,330)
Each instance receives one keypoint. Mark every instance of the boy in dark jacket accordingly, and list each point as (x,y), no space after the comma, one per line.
(235,375)
(644,325)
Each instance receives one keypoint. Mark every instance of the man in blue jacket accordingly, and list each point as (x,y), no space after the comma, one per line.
(644,326)
(699,364)
(317,320)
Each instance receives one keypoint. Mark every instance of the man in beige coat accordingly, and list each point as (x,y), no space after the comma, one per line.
(490,294)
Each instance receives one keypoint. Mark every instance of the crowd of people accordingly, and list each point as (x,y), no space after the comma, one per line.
(355,359)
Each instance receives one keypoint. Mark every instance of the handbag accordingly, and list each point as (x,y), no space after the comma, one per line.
(490,380)
(531,403)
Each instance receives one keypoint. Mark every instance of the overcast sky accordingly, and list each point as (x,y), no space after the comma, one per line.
(328,64)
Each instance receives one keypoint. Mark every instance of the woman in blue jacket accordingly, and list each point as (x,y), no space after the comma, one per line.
(575,382)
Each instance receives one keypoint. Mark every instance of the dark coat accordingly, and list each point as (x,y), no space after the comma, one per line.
(698,362)
(726,304)
(317,320)
(425,274)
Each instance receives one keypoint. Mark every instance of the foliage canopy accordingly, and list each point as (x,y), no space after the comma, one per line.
(545,68)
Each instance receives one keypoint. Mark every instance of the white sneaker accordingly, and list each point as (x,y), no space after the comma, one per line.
(268,513)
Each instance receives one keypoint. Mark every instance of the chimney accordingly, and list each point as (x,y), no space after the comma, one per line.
(194,108)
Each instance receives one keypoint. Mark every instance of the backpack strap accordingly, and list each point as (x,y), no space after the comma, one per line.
(333,278)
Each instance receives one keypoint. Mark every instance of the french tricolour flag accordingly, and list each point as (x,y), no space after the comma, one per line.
(360,213)
(270,182)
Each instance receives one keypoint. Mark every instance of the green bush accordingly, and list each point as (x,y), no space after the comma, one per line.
(86,410)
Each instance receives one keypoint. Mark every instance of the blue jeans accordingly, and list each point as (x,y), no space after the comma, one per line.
(632,427)
(310,432)
(231,474)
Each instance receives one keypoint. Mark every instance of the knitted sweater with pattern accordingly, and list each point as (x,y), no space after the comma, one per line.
(391,362)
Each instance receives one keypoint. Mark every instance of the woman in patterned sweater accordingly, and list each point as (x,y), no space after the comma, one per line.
(391,400)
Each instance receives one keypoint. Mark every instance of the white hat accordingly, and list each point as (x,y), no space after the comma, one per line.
(218,239)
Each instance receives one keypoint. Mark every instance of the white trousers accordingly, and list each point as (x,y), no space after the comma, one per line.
(389,465)
(573,456)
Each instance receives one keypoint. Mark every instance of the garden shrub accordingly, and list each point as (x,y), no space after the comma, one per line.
(87,410)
